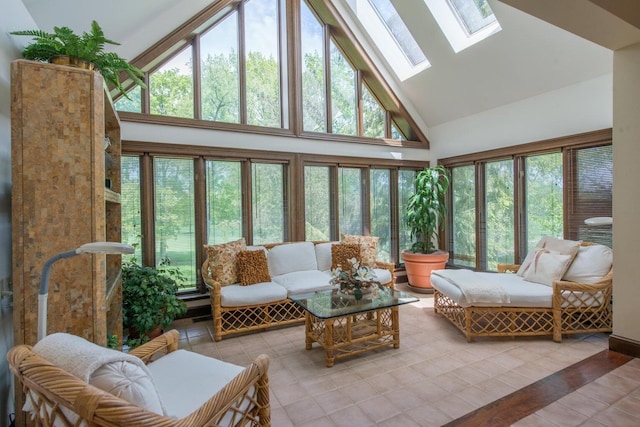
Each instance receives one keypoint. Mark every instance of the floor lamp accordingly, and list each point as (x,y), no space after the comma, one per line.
(88,248)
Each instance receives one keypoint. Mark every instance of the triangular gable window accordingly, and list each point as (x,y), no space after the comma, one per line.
(230,67)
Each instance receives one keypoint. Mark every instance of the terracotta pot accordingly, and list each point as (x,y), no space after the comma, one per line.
(419,267)
(133,333)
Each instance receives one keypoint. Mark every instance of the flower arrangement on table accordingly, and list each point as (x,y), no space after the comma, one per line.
(357,281)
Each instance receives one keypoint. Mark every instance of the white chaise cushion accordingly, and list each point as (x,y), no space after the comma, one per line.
(590,265)
(302,282)
(289,257)
(521,292)
(565,247)
(547,266)
(323,255)
(186,380)
(259,293)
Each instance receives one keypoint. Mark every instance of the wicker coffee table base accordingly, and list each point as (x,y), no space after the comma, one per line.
(353,334)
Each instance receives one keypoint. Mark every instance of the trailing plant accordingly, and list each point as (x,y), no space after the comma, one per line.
(426,208)
(87,47)
(149,298)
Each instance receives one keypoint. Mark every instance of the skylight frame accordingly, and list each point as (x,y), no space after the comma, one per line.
(455,31)
(383,38)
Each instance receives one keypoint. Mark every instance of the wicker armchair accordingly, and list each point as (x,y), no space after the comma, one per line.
(59,398)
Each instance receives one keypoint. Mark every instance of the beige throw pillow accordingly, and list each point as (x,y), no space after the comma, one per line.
(566,247)
(368,247)
(222,260)
(547,266)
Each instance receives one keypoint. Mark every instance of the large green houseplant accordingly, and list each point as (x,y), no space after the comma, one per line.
(425,213)
(87,48)
(149,299)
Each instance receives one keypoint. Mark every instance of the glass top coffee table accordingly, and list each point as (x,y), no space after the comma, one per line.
(345,326)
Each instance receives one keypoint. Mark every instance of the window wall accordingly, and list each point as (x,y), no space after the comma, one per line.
(503,201)
(175,204)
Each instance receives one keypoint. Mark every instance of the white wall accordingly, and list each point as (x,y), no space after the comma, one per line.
(582,107)
(14,17)
(204,137)
(626,192)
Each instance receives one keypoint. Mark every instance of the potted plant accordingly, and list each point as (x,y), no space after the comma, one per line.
(425,213)
(149,299)
(63,46)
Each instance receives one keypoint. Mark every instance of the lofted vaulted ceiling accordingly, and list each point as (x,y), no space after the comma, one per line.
(527,58)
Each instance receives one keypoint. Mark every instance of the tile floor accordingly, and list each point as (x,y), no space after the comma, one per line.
(432,379)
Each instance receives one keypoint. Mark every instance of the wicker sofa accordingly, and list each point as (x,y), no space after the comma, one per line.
(154,385)
(578,301)
(293,268)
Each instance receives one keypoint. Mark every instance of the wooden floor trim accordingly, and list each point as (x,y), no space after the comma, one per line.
(526,401)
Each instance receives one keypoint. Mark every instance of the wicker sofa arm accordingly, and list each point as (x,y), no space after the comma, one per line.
(165,343)
(508,268)
(388,266)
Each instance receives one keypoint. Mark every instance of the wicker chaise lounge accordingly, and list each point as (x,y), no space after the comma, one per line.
(58,398)
(564,307)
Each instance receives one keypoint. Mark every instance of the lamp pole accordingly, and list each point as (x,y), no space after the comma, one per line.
(113,248)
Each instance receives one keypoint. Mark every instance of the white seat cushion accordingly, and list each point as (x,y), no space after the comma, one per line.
(302,282)
(289,257)
(323,255)
(259,293)
(186,380)
(382,275)
(521,293)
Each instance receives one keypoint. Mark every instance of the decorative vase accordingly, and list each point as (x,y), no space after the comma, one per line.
(419,267)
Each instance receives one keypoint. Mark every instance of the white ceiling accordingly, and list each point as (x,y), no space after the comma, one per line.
(527,58)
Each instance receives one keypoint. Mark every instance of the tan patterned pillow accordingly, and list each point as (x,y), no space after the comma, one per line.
(223,260)
(252,267)
(368,247)
(341,253)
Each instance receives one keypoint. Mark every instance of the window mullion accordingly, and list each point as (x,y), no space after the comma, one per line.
(197,80)
(327,77)
(242,64)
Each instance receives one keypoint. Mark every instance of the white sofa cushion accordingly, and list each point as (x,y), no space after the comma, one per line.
(590,265)
(302,282)
(259,293)
(186,380)
(382,275)
(289,257)
(547,266)
(323,255)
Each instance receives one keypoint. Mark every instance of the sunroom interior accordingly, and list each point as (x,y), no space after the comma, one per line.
(301,120)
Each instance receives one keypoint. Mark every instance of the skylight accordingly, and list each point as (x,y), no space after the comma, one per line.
(390,34)
(464,22)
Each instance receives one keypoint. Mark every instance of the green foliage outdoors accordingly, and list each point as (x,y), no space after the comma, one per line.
(149,298)
(87,46)
(426,209)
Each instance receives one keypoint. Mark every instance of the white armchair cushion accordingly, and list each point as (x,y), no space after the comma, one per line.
(186,380)
(289,257)
(547,266)
(259,293)
(590,265)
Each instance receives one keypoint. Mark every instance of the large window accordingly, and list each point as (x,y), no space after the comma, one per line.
(174,214)
(499,203)
(268,200)
(231,68)
(546,188)
(463,216)
(224,201)
(216,195)
(406,188)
